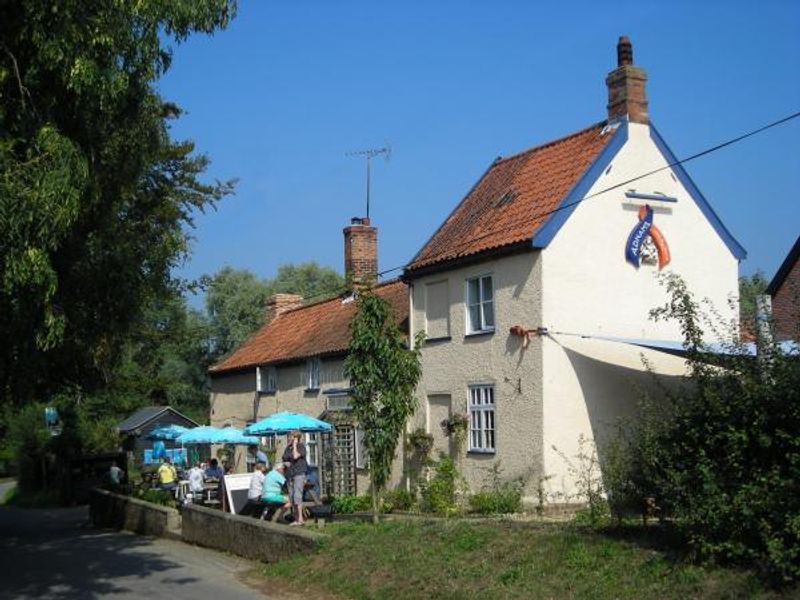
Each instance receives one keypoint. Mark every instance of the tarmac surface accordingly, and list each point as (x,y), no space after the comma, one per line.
(54,554)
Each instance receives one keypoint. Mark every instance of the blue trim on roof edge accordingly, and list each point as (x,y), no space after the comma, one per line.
(545,234)
(735,247)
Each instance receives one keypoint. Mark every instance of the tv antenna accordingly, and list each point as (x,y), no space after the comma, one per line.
(369,154)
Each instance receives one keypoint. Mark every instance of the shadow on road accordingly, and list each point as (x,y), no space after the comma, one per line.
(55,554)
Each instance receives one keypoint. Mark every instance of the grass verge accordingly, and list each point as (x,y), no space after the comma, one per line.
(456,559)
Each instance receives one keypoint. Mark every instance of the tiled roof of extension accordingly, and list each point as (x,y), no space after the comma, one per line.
(513,198)
(312,330)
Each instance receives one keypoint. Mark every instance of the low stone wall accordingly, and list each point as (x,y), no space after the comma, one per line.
(245,536)
(110,510)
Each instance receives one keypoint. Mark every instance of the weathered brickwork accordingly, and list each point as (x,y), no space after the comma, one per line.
(626,87)
(786,306)
(360,251)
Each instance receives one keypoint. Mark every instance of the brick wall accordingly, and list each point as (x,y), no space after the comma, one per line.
(360,251)
(786,306)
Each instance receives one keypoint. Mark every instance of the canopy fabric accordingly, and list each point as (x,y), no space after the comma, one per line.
(167,432)
(231,435)
(284,422)
(216,435)
(199,435)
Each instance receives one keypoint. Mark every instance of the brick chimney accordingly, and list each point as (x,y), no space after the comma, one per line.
(277,304)
(360,251)
(626,87)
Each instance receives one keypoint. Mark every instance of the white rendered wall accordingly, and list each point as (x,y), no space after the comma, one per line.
(589,289)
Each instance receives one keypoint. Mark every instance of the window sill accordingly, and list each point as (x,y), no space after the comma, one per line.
(479,333)
(268,393)
(481,452)
(434,340)
(311,391)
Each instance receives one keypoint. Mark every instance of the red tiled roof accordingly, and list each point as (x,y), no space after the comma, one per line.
(312,330)
(513,198)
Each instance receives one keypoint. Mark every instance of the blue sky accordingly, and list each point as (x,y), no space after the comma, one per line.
(279,98)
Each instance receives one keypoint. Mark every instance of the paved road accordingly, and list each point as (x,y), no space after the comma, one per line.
(55,555)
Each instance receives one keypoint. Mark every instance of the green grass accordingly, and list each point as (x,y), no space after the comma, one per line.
(420,559)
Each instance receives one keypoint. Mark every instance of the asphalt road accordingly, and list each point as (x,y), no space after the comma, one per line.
(56,555)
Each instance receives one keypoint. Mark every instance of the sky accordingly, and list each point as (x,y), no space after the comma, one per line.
(281,97)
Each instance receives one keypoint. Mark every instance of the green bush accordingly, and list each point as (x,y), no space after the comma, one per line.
(397,500)
(724,460)
(497,496)
(440,493)
(352,504)
(497,502)
(162,497)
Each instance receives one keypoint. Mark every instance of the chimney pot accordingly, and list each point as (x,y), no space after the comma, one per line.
(627,95)
(624,51)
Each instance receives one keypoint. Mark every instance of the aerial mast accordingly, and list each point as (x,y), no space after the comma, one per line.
(369,154)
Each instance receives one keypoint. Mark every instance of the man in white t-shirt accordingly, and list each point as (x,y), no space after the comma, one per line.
(254,493)
(196,479)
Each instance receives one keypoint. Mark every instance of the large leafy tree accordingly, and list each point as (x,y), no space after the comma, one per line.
(235,298)
(383,373)
(95,196)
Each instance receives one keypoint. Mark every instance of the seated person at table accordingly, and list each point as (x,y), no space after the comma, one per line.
(196,479)
(214,471)
(254,493)
(167,476)
(311,491)
(272,491)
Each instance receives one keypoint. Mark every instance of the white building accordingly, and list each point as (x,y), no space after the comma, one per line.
(567,238)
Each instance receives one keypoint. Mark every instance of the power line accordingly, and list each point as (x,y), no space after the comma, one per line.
(637,178)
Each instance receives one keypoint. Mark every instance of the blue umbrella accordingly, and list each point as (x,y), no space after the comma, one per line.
(231,435)
(284,422)
(204,434)
(166,432)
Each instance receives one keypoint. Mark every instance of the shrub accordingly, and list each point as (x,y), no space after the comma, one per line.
(725,461)
(497,502)
(162,497)
(497,496)
(397,500)
(439,494)
(351,504)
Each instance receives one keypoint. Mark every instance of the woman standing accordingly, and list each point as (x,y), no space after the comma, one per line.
(295,454)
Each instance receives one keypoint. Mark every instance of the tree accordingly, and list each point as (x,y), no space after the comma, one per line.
(95,197)
(235,304)
(383,374)
(750,287)
(236,298)
(308,279)
(724,457)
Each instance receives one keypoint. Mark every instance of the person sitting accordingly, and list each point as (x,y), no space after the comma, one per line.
(214,471)
(196,480)
(167,476)
(115,476)
(311,490)
(272,490)
(254,493)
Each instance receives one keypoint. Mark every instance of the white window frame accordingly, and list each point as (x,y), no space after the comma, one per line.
(481,405)
(311,439)
(313,374)
(267,379)
(362,456)
(481,303)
